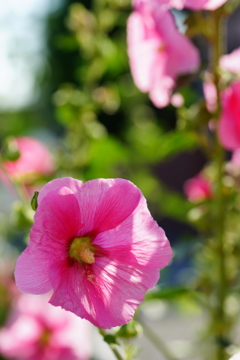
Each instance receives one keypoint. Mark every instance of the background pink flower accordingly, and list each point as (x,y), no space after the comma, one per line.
(97,246)
(35,159)
(197,189)
(38,331)
(231,62)
(210,94)
(194,4)
(158,53)
(229,122)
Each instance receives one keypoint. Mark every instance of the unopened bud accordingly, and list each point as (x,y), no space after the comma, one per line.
(34,201)
(132,329)
(10,150)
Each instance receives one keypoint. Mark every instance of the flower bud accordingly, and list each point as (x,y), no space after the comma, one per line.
(10,149)
(132,329)
(34,201)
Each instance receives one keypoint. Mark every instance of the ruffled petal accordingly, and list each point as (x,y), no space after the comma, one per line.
(31,272)
(106,203)
(106,294)
(69,291)
(57,221)
(137,241)
(141,51)
(56,184)
(115,291)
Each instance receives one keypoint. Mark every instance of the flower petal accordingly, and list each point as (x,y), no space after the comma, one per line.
(106,294)
(56,184)
(137,241)
(31,272)
(115,291)
(106,203)
(57,220)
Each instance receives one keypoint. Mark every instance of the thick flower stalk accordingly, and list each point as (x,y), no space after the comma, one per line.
(97,246)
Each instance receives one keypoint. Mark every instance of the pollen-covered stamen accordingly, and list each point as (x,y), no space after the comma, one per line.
(82,250)
(86,255)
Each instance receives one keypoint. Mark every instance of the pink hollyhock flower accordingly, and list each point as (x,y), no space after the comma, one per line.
(198,189)
(231,62)
(194,4)
(38,331)
(229,122)
(158,53)
(97,246)
(35,159)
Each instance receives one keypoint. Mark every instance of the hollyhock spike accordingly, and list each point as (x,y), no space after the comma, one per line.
(97,246)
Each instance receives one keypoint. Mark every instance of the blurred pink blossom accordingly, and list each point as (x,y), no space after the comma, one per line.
(177,100)
(210,95)
(233,166)
(231,62)
(229,122)
(193,4)
(97,246)
(35,160)
(38,331)
(198,188)
(235,160)
(158,53)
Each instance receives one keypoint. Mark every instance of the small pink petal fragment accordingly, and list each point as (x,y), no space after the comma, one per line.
(231,62)
(177,100)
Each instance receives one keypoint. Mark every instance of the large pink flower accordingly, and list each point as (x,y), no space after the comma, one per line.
(35,159)
(97,246)
(38,331)
(229,122)
(158,53)
(193,4)
(198,188)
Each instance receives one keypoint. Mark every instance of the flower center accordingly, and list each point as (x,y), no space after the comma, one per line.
(161,47)
(45,337)
(82,250)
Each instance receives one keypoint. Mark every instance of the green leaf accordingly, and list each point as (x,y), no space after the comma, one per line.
(111,339)
(167,294)
(175,142)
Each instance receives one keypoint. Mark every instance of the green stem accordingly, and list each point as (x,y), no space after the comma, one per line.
(220,206)
(157,342)
(112,346)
